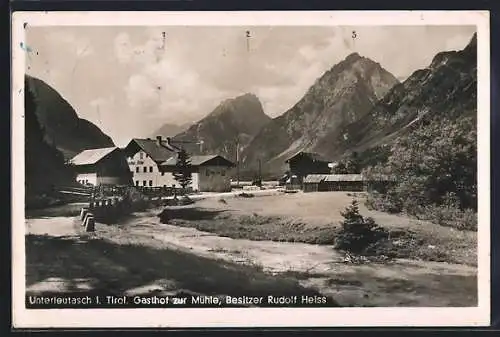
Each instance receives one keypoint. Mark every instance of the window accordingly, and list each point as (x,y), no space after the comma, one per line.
(223,173)
(151,169)
(137,183)
(137,169)
(207,173)
(141,155)
(144,183)
(145,169)
(150,183)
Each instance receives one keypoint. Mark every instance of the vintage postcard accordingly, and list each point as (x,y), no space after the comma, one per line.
(260,169)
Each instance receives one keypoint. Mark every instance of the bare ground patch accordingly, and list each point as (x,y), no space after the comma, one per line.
(142,256)
(99,266)
(275,218)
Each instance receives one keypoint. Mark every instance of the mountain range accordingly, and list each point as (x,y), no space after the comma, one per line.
(234,122)
(60,122)
(341,96)
(44,164)
(170,130)
(445,90)
(356,105)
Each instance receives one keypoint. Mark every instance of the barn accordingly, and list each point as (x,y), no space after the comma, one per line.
(305,163)
(210,173)
(344,182)
(103,166)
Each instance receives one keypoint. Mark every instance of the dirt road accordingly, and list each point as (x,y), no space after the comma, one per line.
(63,259)
(143,256)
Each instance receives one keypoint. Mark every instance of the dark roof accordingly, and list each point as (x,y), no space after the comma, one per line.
(157,153)
(311,155)
(215,160)
(92,156)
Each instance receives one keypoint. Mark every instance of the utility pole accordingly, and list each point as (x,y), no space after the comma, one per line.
(237,162)
(260,173)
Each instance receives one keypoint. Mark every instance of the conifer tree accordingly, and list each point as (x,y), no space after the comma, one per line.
(183,170)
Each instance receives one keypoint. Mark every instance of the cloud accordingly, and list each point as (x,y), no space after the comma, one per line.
(139,79)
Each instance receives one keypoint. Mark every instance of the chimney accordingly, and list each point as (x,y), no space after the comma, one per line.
(158,140)
(168,141)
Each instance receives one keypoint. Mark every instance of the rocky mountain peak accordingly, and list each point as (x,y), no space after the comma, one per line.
(353,57)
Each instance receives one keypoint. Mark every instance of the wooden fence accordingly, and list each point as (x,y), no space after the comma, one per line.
(102,192)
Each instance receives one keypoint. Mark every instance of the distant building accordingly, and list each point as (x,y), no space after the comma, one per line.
(104,166)
(152,163)
(305,163)
(345,182)
(210,173)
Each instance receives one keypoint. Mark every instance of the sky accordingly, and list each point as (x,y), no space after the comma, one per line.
(130,80)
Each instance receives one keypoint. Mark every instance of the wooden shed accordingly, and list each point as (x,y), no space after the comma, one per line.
(344,182)
(103,166)
(304,163)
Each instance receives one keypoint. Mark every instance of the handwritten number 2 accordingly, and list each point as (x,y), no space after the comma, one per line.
(248,33)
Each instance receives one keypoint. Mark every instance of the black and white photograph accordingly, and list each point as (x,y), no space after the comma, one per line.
(206,169)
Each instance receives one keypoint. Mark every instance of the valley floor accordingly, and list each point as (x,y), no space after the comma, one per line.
(188,254)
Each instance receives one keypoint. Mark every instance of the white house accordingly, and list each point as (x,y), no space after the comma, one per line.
(151,163)
(103,166)
(144,157)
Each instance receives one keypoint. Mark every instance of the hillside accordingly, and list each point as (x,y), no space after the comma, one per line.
(44,164)
(341,96)
(62,126)
(445,90)
(169,130)
(237,119)
(430,125)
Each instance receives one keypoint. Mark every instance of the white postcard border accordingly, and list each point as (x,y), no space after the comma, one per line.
(248,317)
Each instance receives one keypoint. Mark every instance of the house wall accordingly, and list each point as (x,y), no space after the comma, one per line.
(109,180)
(87,178)
(310,187)
(302,166)
(152,177)
(156,177)
(113,169)
(352,186)
(214,179)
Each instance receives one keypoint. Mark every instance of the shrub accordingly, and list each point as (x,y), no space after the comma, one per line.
(246,195)
(389,203)
(135,200)
(358,235)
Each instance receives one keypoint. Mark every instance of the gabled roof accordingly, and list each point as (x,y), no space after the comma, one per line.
(92,156)
(201,160)
(157,153)
(311,155)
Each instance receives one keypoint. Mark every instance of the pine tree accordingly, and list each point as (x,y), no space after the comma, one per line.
(183,170)
(358,233)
